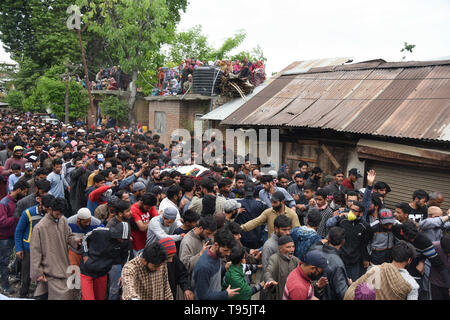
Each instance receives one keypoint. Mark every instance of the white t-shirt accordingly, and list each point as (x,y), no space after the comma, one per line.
(414,294)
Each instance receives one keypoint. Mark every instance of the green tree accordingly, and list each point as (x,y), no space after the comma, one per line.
(15,99)
(34,32)
(254,55)
(136,30)
(114,107)
(190,43)
(49,96)
(408,48)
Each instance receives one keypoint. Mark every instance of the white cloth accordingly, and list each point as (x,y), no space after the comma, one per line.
(414,294)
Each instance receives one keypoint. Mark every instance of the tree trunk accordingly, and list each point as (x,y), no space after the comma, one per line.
(132,99)
(66,98)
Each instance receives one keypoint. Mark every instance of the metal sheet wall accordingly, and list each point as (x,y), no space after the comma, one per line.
(404,180)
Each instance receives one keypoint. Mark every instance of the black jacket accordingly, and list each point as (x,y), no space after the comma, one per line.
(424,250)
(337,276)
(103,251)
(253,209)
(178,276)
(357,237)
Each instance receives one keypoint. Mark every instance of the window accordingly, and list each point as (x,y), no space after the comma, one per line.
(160,122)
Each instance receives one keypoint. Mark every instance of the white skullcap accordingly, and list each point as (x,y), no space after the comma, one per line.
(83,214)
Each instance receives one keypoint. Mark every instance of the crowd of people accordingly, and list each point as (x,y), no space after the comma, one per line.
(100,213)
(179,80)
(108,79)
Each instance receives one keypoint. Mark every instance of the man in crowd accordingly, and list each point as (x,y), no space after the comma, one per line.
(336,185)
(7,229)
(353,175)
(49,256)
(146,276)
(299,282)
(206,275)
(338,281)
(279,266)
(357,236)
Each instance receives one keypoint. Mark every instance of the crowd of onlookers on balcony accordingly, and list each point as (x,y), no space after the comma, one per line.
(179,80)
(109,79)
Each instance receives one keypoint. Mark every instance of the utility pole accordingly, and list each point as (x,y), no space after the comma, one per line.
(66,78)
(66,97)
(74,23)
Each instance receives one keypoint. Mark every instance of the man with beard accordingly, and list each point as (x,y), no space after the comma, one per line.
(146,276)
(207,274)
(268,216)
(279,267)
(336,185)
(38,152)
(195,242)
(49,256)
(269,189)
(314,179)
(80,224)
(28,220)
(231,209)
(225,186)
(48,163)
(418,206)
(43,187)
(253,208)
(299,282)
(122,214)
(296,189)
(138,190)
(142,212)
(163,226)
(7,228)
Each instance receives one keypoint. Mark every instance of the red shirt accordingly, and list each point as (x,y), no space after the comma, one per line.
(348,184)
(298,286)
(140,237)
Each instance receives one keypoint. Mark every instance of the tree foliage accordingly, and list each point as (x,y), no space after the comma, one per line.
(49,96)
(193,43)
(135,30)
(408,48)
(15,99)
(115,108)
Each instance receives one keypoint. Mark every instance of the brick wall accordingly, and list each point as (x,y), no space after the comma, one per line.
(172,111)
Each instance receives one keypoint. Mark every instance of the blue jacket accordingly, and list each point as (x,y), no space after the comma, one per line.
(28,220)
(207,278)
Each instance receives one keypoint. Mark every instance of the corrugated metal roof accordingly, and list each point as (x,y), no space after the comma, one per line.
(282,81)
(396,99)
(307,65)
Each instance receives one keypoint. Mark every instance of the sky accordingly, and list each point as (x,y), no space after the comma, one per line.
(296,30)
